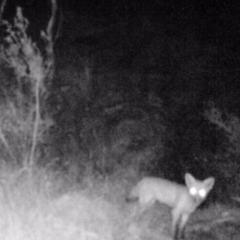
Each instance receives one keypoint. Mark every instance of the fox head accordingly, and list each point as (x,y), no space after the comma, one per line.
(198,189)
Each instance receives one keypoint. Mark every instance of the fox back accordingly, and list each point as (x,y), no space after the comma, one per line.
(183,200)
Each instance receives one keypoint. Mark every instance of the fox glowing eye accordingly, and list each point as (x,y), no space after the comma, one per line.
(193,191)
(202,193)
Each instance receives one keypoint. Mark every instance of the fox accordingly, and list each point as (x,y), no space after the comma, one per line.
(183,200)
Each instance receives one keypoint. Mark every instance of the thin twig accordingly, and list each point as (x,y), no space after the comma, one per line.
(3,5)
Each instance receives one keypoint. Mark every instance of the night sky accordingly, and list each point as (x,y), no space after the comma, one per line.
(211,26)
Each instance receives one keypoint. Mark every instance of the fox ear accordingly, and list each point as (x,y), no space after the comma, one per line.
(189,179)
(209,183)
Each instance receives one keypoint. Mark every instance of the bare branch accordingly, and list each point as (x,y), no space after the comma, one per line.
(52,20)
(3,5)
